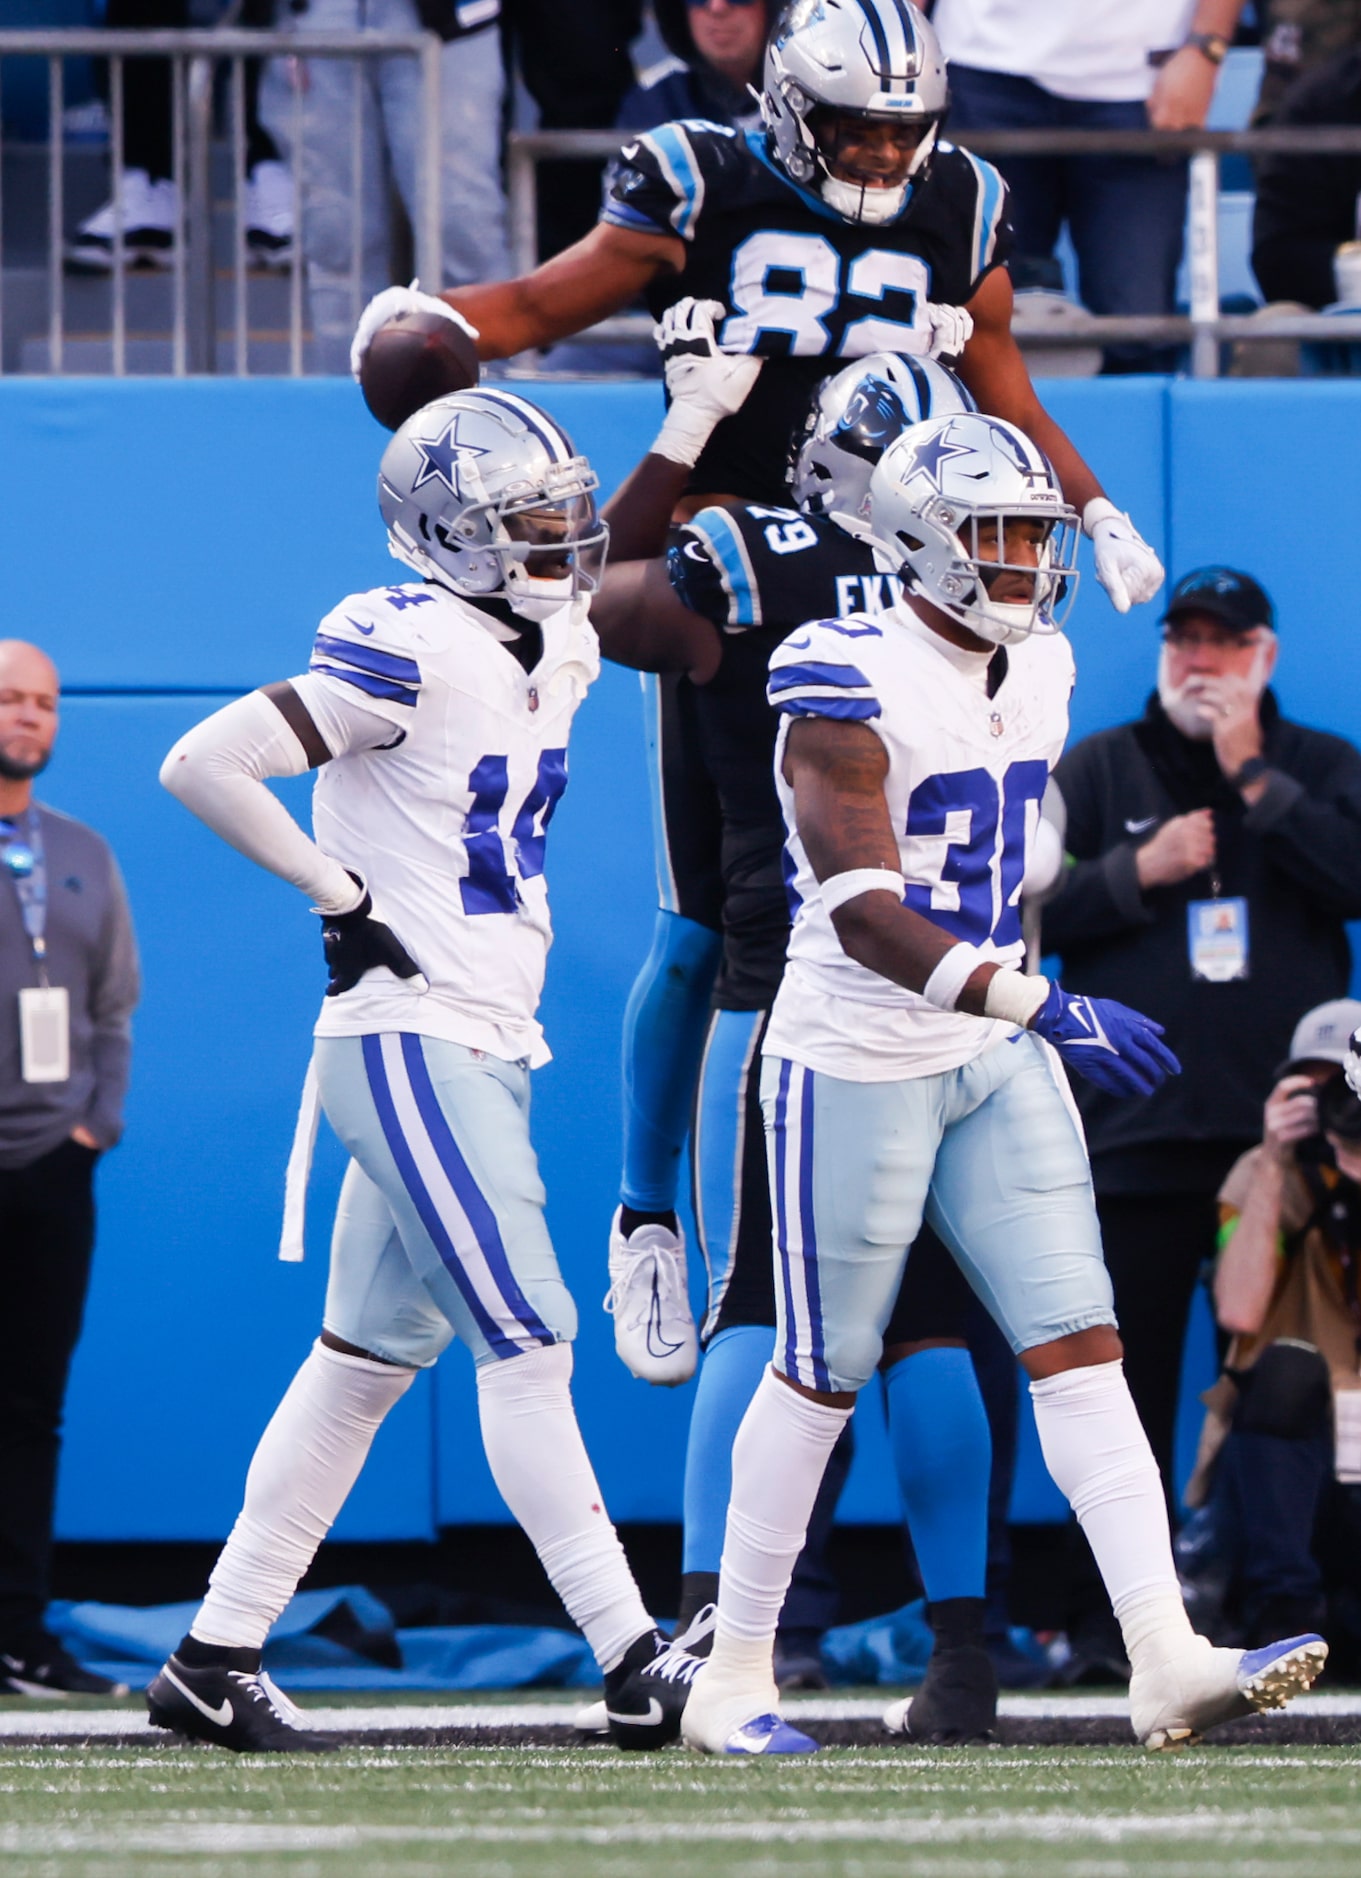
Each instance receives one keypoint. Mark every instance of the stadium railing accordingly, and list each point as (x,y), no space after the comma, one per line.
(194,57)
(196,345)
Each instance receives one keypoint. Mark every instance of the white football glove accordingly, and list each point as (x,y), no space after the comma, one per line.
(1126,566)
(387,305)
(951,328)
(706,384)
(1352,1067)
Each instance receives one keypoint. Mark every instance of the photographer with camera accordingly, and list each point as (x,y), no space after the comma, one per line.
(1284,1424)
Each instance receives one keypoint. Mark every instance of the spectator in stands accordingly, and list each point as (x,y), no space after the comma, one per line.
(1285,1288)
(717,49)
(574,60)
(472,196)
(149,196)
(1215,857)
(1297,37)
(1307,206)
(68,983)
(1092,65)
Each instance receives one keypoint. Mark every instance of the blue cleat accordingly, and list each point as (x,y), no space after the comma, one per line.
(769,1734)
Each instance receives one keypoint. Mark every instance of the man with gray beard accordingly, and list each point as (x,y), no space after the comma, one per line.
(1214,858)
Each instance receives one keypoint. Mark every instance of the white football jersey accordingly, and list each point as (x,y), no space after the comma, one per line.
(448,762)
(966,773)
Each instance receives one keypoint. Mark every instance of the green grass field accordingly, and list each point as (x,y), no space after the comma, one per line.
(592,1813)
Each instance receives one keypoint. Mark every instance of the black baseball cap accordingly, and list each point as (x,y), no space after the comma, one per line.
(1233,598)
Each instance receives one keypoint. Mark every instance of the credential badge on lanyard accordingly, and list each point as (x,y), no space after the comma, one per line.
(44,1009)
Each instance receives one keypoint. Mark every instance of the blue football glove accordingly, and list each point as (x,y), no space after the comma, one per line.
(1118,1049)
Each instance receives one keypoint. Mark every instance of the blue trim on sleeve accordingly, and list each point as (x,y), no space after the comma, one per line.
(717,530)
(364,681)
(860,709)
(369,658)
(791,677)
(675,153)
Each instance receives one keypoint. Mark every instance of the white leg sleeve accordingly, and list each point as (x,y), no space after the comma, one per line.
(1095,1447)
(778,1461)
(542,1471)
(308,1459)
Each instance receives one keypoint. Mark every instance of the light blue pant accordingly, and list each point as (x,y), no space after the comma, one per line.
(473,206)
(440,1229)
(991,1153)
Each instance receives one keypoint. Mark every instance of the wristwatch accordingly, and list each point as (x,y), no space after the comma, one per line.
(1249,772)
(1213,45)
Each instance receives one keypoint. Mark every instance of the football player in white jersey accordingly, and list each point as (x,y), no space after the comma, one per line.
(437,714)
(911,1070)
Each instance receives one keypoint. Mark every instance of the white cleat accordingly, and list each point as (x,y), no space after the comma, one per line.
(722,1719)
(1174,1702)
(592,1720)
(654,1332)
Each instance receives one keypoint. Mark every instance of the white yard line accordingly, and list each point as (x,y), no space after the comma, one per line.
(38,1721)
(1238,1829)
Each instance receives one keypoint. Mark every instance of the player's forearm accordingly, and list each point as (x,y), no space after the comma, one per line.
(1078,481)
(217,771)
(640,510)
(642,624)
(595,277)
(883,935)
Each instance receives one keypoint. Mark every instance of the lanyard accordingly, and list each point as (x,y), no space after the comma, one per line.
(25,863)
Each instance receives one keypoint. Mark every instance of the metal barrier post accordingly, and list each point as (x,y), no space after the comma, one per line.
(1204,263)
(200,309)
(430,233)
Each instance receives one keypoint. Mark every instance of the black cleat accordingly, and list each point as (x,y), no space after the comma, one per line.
(231,1704)
(44,1668)
(645,1694)
(957,1700)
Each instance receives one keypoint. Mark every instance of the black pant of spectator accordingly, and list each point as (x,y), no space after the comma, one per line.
(575,64)
(1274,1490)
(148,115)
(47,1224)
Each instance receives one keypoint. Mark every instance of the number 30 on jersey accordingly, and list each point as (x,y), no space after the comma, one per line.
(796,284)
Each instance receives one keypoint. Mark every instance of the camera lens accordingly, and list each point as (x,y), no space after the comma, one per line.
(1339,1111)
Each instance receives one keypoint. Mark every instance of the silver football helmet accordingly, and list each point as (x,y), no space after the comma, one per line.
(968,512)
(483,492)
(828,60)
(854,417)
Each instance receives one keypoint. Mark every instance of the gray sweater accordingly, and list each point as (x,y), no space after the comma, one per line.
(90,950)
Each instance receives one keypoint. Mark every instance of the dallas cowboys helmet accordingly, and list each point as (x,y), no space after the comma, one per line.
(483,492)
(830,59)
(854,417)
(941,498)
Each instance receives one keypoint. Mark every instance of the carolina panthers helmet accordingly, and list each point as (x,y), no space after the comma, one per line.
(865,58)
(940,501)
(854,417)
(483,492)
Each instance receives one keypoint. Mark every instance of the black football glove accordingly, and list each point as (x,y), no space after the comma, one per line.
(355,942)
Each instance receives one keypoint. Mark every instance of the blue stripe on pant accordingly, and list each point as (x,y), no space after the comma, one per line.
(990,1153)
(440,1230)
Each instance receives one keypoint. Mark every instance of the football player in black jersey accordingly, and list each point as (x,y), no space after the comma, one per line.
(715,604)
(844,226)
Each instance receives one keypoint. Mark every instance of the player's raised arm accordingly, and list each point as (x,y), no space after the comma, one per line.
(995,372)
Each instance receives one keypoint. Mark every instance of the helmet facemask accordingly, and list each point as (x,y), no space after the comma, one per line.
(1006,599)
(864,198)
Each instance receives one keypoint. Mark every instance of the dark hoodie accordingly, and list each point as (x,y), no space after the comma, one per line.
(698,91)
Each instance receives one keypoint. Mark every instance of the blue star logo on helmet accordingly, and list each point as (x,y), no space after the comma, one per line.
(928,456)
(440,457)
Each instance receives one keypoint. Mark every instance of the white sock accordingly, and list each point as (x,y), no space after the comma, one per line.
(1095,1447)
(541,1468)
(308,1459)
(778,1460)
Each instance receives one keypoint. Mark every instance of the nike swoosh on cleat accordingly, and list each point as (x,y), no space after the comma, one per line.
(657,1344)
(653,1716)
(221,1716)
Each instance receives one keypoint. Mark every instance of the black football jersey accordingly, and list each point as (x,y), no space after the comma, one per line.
(758,573)
(801,285)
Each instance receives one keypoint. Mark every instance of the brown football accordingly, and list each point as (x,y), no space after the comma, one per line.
(413,358)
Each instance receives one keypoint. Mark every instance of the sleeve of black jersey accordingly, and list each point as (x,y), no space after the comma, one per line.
(991,240)
(660,178)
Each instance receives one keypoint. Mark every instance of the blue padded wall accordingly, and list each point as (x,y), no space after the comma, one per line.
(174,543)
